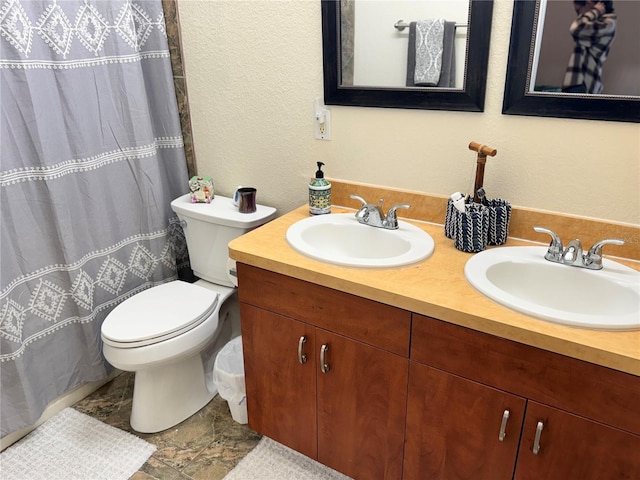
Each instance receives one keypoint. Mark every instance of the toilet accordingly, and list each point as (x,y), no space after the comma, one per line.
(170,334)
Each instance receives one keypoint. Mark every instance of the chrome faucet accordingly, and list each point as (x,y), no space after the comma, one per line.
(371,214)
(573,255)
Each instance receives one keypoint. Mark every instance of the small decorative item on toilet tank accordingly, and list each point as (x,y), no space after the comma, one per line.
(319,193)
(201,189)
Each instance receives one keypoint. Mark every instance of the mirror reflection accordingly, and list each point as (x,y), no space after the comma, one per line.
(587,47)
(346,81)
(397,44)
(539,52)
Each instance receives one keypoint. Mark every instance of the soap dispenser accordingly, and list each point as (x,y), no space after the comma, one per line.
(319,193)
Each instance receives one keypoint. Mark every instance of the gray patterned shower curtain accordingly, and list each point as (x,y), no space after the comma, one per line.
(91,155)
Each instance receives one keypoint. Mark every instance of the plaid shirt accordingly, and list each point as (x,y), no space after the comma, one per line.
(593,33)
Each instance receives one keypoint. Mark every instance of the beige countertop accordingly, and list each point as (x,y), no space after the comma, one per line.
(437,288)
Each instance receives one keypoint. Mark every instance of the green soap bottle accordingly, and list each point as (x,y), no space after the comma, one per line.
(319,193)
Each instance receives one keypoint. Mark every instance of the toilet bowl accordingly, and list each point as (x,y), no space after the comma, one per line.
(170,334)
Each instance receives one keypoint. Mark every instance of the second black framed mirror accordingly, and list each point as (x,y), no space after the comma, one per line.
(521,96)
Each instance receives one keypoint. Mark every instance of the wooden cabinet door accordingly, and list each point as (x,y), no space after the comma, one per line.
(575,448)
(453,428)
(281,391)
(361,408)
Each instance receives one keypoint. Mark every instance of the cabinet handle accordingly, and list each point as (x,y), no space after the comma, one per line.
(324,366)
(536,441)
(503,425)
(302,358)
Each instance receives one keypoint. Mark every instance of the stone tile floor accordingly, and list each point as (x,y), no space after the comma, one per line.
(206,446)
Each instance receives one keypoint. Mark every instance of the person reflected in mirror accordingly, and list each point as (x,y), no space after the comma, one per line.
(593,32)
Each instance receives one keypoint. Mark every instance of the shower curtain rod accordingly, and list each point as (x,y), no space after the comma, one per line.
(401,25)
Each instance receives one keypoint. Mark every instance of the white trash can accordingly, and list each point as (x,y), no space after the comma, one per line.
(228,377)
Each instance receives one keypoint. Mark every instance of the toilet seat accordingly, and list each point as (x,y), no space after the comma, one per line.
(158,313)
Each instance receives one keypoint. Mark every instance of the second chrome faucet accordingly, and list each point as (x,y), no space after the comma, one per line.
(371,214)
(573,254)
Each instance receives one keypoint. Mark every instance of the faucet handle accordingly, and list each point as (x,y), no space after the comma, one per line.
(396,206)
(391,219)
(593,258)
(554,253)
(357,197)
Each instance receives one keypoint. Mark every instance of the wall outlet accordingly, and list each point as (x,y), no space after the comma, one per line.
(322,120)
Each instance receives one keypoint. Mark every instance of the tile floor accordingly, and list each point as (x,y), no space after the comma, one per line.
(204,447)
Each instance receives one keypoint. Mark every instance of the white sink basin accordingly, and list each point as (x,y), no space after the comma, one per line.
(340,240)
(520,278)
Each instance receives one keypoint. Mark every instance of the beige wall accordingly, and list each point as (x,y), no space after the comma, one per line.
(254,67)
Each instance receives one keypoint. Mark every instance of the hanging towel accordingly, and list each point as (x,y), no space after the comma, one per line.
(448,68)
(431,54)
(429,45)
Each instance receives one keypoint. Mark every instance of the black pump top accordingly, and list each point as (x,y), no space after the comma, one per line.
(320,173)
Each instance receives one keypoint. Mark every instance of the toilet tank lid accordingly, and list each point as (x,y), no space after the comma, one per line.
(222,211)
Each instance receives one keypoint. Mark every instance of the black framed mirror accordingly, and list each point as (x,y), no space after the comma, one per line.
(470,97)
(520,98)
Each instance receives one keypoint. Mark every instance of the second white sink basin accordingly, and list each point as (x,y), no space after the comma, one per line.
(340,240)
(520,278)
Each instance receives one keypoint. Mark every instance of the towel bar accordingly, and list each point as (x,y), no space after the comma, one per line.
(401,25)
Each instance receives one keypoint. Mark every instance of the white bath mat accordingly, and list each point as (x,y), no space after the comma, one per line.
(273,461)
(72,445)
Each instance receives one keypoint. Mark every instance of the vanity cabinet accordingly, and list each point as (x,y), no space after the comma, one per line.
(455,428)
(573,447)
(395,395)
(326,372)
(281,392)
(463,383)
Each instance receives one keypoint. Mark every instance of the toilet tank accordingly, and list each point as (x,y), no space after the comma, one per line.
(208,229)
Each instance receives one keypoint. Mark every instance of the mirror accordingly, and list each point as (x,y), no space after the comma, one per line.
(530,88)
(343,85)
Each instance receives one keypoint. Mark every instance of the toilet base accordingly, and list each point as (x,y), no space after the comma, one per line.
(168,394)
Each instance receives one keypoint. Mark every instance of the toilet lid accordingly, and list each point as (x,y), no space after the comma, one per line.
(159,313)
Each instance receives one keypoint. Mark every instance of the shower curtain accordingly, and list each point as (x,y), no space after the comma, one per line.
(91,157)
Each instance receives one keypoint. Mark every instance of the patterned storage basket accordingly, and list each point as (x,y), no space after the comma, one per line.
(499,216)
(450,220)
(480,224)
(472,228)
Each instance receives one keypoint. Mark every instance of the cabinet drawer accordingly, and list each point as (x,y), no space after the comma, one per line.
(590,390)
(370,322)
